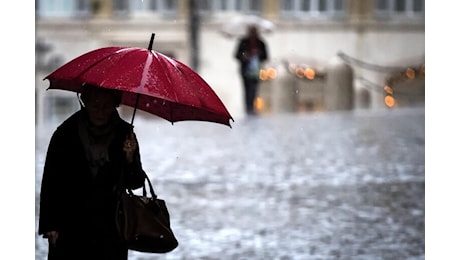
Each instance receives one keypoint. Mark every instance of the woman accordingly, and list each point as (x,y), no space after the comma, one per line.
(86,157)
(251,51)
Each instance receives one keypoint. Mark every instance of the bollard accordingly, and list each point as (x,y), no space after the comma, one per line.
(363,98)
(338,92)
(284,96)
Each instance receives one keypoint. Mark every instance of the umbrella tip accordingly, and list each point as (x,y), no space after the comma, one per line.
(151,41)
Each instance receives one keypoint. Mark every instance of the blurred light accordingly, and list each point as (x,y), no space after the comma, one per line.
(263,75)
(259,104)
(299,72)
(388,89)
(410,73)
(389,101)
(292,67)
(272,73)
(309,73)
(422,69)
(267,74)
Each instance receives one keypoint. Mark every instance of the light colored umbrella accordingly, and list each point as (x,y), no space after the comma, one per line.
(237,26)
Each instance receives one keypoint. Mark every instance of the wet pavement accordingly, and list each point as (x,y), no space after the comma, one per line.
(342,185)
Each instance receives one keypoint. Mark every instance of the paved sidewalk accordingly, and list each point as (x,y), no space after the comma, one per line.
(345,185)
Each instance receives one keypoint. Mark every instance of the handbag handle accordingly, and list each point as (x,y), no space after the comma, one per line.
(144,190)
(130,191)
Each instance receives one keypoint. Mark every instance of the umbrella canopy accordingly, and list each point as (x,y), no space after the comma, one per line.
(149,80)
(237,26)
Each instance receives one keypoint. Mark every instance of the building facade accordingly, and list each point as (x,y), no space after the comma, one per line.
(322,53)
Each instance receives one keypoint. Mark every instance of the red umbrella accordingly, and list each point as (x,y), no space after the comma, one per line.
(150,81)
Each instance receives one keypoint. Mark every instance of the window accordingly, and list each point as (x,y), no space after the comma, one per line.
(254,6)
(339,5)
(168,5)
(120,7)
(305,6)
(60,8)
(399,8)
(83,7)
(287,5)
(322,6)
(223,5)
(418,6)
(207,7)
(146,7)
(312,8)
(381,5)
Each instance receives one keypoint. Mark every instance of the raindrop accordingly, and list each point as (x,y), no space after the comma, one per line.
(147,105)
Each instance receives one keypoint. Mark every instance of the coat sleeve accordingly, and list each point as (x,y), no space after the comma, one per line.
(50,186)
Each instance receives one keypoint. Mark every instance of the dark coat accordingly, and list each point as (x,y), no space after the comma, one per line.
(243,46)
(76,204)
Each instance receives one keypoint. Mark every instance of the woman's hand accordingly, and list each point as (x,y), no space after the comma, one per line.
(52,237)
(129,147)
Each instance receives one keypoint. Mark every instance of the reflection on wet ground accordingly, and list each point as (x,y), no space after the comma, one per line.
(343,185)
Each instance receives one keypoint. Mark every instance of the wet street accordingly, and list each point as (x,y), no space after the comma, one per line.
(338,185)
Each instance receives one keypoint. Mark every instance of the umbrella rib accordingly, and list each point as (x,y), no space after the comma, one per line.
(184,75)
(94,64)
(123,49)
(197,77)
(145,72)
(167,76)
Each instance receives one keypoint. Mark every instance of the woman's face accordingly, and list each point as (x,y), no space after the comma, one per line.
(100,107)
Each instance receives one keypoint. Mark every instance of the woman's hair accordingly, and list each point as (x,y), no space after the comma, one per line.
(88,90)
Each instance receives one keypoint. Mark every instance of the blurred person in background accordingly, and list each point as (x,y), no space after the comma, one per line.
(251,52)
(86,156)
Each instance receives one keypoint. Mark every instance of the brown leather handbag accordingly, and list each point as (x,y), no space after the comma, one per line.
(143,222)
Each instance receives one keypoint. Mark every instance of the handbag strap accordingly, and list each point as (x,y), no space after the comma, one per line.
(144,189)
